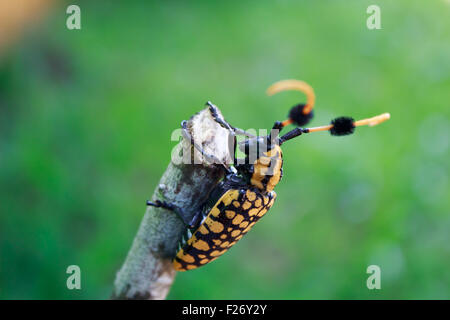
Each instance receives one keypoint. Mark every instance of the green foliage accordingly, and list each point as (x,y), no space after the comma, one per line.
(86,118)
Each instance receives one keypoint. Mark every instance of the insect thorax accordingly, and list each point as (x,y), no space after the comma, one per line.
(267,169)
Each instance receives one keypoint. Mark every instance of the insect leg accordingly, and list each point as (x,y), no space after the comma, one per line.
(224,124)
(191,224)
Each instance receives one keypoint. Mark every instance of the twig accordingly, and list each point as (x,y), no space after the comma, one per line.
(147,272)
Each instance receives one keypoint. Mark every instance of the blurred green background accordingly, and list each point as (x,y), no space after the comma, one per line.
(86,118)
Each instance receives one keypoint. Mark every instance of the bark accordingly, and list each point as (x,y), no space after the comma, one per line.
(147,272)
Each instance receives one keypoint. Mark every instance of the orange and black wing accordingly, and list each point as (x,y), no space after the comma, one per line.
(233,215)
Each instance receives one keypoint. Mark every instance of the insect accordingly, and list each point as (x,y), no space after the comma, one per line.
(246,193)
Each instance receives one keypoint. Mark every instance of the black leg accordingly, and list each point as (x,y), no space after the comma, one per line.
(224,124)
(232,143)
(192,224)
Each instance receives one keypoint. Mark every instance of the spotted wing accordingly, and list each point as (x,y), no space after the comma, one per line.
(233,215)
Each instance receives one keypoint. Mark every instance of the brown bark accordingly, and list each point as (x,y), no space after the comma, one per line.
(147,272)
